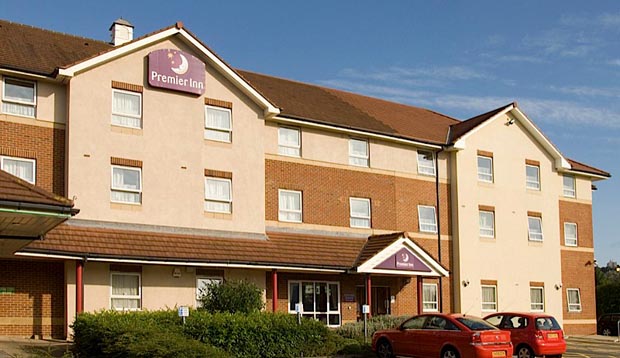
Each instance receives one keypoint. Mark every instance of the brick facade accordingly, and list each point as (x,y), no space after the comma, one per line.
(580,214)
(47,146)
(35,303)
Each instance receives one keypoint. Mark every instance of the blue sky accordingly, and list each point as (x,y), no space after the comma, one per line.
(560,60)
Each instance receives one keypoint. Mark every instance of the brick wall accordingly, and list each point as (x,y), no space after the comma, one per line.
(326,193)
(45,145)
(581,214)
(35,305)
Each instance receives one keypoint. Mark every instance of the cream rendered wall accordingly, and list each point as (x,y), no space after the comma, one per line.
(171,146)
(510,258)
(51,100)
(328,148)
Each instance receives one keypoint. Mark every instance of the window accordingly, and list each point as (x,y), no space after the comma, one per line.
(485,169)
(426,163)
(24,169)
(537,299)
(19,97)
(126,185)
(570,234)
(574,300)
(126,108)
(534,228)
(289,203)
(202,284)
(218,124)
(126,291)
(427,219)
(568,182)
(489,298)
(218,195)
(532,174)
(318,300)
(487,223)
(429,297)
(289,141)
(360,212)
(358,152)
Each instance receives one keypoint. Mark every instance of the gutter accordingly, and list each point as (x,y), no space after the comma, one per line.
(21,207)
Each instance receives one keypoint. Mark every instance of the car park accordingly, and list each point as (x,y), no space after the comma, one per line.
(607,324)
(532,334)
(443,336)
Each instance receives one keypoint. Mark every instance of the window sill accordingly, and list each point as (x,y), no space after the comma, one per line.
(126,206)
(126,130)
(221,216)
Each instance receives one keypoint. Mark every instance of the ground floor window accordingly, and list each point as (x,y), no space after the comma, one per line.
(574,300)
(489,298)
(316,299)
(126,291)
(537,299)
(429,297)
(202,283)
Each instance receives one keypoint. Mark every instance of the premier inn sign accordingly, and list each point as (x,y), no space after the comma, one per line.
(176,70)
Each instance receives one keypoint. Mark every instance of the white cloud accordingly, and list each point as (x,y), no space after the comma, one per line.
(611,20)
(588,91)
(615,62)
(521,58)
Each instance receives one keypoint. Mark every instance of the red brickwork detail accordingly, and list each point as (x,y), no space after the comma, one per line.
(579,329)
(326,192)
(127,86)
(218,103)
(218,174)
(45,145)
(578,272)
(39,295)
(126,162)
(580,214)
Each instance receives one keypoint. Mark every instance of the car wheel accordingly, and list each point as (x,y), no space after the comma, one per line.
(525,352)
(606,332)
(384,349)
(449,353)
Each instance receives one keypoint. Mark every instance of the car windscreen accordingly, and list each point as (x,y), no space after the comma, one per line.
(476,324)
(547,324)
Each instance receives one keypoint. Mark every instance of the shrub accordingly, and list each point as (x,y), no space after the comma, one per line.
(232,296)
(356,330)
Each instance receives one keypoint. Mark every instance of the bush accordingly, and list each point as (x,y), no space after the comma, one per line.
(356,330)
(232,296)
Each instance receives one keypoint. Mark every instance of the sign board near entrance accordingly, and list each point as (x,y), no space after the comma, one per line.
(404,260)
(176,70)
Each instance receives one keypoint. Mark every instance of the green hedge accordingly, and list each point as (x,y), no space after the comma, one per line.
(356,330)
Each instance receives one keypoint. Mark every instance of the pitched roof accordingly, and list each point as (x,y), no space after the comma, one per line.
(14,189)
(376,244)
(580,167)
(460,129)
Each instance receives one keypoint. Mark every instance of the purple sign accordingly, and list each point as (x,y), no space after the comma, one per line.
(403,260)
(176,70)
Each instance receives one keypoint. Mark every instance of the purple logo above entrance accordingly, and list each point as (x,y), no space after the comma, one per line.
(176,70)
(404,260)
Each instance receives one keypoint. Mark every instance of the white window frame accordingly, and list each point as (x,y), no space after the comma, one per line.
(314,312)
(32,104)
(434,224)
(137,94)
(138,297)
(218,129)
(532,185)
(483,177)
(537,306)
(570,241)
(423,167)
(219,200)
(112,188)
(284,149)
(353,157)
(355,216)
(492,228)
(199,286)
(34,167)
(430,306)
(569,192)
(483,303)
(532,235)
(573,306)
(301,206)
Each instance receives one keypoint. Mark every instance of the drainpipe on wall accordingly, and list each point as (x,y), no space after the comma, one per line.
(438,227)
(274,283)
(79,287)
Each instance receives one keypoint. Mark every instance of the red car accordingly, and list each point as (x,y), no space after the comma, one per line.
(443,336)
(533,334)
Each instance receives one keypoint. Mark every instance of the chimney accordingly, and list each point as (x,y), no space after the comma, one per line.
(121,31)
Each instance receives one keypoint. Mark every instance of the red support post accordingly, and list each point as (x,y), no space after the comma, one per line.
(420,294)
(274,283)
(79,287)
(369,295)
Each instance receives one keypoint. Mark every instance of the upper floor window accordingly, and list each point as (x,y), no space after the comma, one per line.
(537,299)
(427,219)
(487,223)
(568,182)
(218,195)
(358,152)
(426,162)
(489,298)
(360,212)
(22,168)
(532,177)
(570,234)
(126,292)
(535,228)
(289,141)
(574,299)
(126,108)
(19,97)
(429,297)
(485,168)
(126,185)
(218,124)
(290,206)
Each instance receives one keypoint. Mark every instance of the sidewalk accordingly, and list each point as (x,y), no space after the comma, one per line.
(592,338)
(15,347)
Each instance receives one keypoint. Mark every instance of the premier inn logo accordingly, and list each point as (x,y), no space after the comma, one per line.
(176,70)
